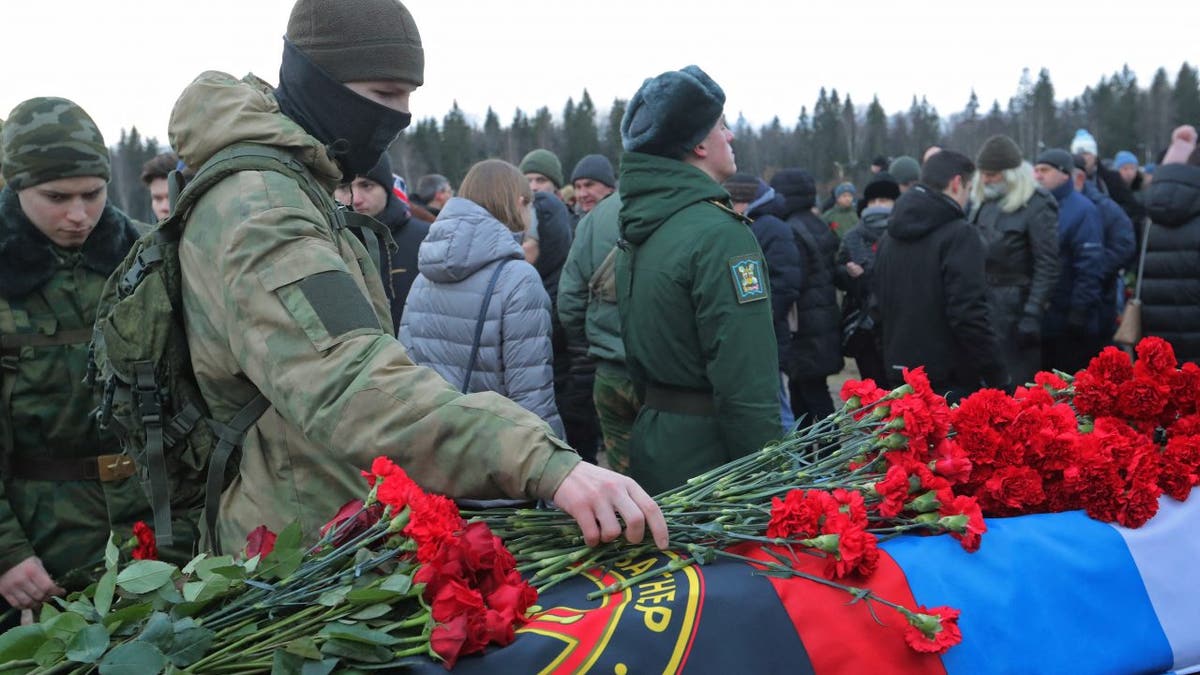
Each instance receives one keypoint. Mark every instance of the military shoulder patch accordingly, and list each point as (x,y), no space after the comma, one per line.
(749,283)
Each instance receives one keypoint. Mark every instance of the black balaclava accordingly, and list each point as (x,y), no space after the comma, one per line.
(356,129)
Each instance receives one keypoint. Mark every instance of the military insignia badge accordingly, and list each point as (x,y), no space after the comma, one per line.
(748,282)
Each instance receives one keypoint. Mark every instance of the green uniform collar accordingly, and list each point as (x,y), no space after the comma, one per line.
(654,188)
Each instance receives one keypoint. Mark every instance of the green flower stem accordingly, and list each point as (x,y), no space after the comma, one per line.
(670,567)
(419,650)
(214,656)
(861,593)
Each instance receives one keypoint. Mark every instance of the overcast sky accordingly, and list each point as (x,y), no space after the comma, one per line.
(126,62)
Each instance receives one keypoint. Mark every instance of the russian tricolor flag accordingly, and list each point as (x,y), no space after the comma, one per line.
(1050,593)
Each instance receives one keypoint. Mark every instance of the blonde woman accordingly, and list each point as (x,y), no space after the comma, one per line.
(477,313)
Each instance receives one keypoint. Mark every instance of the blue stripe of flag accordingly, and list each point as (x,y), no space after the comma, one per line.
(1048,593)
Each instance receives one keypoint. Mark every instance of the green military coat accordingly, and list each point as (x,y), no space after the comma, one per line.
(693,296)
(49,294)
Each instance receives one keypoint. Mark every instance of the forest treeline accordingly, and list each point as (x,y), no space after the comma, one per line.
(836,140)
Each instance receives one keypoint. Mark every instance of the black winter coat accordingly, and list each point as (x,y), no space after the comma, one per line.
(784,266)
(1171,282)
(929,279)
(401,268)
(816,348)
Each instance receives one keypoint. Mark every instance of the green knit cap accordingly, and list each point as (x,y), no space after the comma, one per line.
(544,162)
(357,40)
(46,139)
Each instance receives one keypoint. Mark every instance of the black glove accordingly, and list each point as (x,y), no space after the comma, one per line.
(1029,331)
(1077,322)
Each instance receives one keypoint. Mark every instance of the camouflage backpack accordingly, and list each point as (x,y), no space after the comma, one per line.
(141,359)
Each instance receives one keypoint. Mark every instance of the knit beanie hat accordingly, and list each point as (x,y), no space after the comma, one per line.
(595,167)
(1083,142)
(1057,158)
(742,187)
(672,113)
(382,173)
(843,189)
(1124,157)
(46,139)
(546,163)
(356,40)
(999,153)
(905,170)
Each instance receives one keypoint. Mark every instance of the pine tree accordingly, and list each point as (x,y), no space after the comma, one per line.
(1185,100)
(1156,120)
(874,141)
(521,136)
(544,133)
(612,133)
(581,135)
(457,152)
(493,136)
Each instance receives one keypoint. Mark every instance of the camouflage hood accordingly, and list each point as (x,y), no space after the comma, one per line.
(217,110)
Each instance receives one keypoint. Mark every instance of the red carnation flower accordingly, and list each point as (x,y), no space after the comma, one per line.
(1155,358)
(1111,364)
(1141,398)
(933,630)
(894,489)
(866,391)
(260,541)
(1050,381)
(1012,490)
(147,547)
(972,532)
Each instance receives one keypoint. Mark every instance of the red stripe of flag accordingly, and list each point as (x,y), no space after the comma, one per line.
(843,638)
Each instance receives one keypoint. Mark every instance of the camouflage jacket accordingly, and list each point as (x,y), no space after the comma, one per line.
(47,408)
(276,300)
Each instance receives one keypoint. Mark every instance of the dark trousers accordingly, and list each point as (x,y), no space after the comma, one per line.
(810,400)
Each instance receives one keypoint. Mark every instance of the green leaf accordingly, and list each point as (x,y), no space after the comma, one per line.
(334,596)
(204,569)
(51,652)
(371,595)
(133,658)
(203,591)
(191,644)
(105,588)
(111,553)
(22,642)
(287,555)
(64,626)
(357,633)
(398,582)
(88,644)
(190,568)
(159,631)
(323,667)
(371,612)
(305,646)
(49,611)
(290,663)
(145,576)
(127,615)
(356,651)
(166,595)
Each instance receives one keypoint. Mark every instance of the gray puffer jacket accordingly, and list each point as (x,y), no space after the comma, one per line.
(456,262)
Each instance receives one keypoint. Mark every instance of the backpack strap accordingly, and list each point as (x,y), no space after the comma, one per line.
(487,300)
(230,437)
(11,345)
(149,406)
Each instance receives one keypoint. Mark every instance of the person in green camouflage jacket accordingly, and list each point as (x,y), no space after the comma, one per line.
(692,289)
(63,482)
(279,302)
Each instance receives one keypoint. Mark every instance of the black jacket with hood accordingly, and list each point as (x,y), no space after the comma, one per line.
(1171,282)
(929,279)
(816,347)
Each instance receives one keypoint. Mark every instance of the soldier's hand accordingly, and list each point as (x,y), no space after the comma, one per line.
(27,584)
(594,497)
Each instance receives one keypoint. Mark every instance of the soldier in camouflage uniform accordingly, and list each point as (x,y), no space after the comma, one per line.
(587,307)
(64,484)
(280,302)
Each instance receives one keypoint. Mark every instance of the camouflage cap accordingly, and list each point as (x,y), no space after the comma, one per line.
(46,139)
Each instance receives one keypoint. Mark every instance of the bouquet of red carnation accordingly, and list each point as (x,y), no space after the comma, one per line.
(396,576)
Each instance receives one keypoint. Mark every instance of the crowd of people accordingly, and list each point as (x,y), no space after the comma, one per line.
(584,339)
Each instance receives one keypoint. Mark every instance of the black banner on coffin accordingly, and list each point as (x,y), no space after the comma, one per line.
(720,618)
